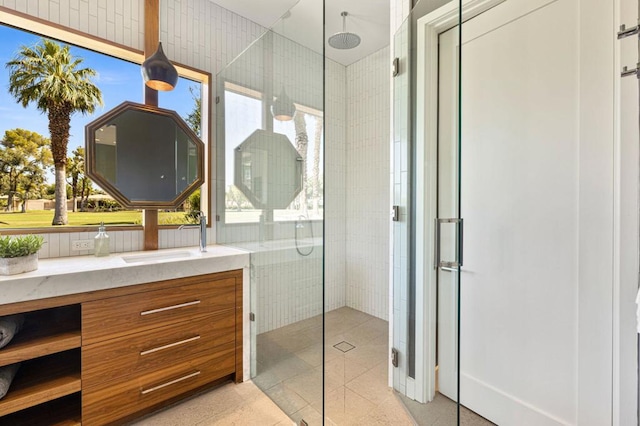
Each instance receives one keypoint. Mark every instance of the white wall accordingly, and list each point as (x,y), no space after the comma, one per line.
(367,177)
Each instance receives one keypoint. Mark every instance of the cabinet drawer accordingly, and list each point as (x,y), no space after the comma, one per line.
(120,316)
(130,356)
(103,405)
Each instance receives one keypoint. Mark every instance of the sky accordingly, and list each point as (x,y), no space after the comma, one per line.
(118,80)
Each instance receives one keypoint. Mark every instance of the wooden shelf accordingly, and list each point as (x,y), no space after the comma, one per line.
(64,411)
(44,333)
(42,380)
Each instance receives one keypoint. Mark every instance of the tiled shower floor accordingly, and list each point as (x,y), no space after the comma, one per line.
(290,370)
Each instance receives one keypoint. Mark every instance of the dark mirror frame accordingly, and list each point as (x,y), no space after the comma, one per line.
(109,188)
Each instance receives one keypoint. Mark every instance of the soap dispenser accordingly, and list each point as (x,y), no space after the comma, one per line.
(101,245)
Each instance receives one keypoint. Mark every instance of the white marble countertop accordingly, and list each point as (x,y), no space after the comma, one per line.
(71,275)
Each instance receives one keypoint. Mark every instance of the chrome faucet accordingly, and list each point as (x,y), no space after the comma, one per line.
(202,224)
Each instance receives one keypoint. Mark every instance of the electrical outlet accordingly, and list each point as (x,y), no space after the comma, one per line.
(80,245)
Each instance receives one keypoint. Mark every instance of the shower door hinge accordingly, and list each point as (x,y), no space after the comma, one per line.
(396,66)
(626,72)
(252,316)
(395,213)
(395,355)
(628,32)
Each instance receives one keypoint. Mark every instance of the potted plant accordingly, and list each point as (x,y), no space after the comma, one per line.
(19,254)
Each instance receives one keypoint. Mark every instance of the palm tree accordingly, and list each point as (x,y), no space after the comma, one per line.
(316,165)
(302,145)
(48,75)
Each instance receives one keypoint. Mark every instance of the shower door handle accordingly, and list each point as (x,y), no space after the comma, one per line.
(438,262)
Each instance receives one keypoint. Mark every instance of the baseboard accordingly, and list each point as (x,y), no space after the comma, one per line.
(501,408)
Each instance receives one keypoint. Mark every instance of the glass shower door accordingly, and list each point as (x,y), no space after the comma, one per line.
(427,227)
(270,149)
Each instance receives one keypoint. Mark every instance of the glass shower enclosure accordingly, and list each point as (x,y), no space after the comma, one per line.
(269,180)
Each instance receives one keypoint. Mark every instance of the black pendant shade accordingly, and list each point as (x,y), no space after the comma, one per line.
(283,109)
(158,72)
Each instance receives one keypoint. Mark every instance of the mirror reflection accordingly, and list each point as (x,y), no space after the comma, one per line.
(268,170)
(144,155)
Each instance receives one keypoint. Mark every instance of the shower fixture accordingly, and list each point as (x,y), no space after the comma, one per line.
(344,39)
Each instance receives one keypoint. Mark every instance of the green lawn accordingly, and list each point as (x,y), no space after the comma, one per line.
(43,218)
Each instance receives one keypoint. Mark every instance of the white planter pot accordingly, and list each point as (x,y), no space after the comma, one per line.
(18,265)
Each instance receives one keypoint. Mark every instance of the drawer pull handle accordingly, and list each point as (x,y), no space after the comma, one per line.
(169,308)
(172,382)
(170,345)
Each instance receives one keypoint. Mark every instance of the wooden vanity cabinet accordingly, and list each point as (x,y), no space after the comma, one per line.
(123,352)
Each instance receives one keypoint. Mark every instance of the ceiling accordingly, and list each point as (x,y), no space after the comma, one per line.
(367,18)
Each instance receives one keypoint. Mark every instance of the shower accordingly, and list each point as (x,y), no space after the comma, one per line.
(344,39)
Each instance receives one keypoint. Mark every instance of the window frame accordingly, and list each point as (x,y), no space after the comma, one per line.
(233,87)
(40,27)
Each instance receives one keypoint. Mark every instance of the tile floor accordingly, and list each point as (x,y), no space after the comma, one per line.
(289,382)
(242,404)
(289,368)
(442,412)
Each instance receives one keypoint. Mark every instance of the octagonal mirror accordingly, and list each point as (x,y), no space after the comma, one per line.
(268,170)
(144,156)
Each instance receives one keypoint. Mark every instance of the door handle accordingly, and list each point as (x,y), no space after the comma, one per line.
(438,262)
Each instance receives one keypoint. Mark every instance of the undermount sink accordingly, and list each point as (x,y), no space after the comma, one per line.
(158,256)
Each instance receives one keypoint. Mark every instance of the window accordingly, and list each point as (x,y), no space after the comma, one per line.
(27,176)
(244,112)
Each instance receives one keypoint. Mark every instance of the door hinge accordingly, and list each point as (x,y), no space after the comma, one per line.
(217,99)
(628,32)
(626,72)
(396,66)
(217,218)
(252,316)
(395,213)
(395,355)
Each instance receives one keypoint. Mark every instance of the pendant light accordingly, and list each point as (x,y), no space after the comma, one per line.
(158,72)
(283,109)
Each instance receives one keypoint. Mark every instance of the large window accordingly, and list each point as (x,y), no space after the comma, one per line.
(245,111)
(26,166)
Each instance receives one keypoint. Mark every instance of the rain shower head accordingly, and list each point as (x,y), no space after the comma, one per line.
(344,39)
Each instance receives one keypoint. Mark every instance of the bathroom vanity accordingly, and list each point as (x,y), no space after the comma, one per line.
(104,344)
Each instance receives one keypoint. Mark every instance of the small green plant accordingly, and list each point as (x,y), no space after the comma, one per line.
(20,246)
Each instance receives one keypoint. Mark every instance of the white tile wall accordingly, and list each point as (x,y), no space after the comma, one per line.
(335,182)
(399,10)
(288,287)
(367,177)
(121,21)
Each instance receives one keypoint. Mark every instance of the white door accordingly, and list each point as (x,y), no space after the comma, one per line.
(520,188)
